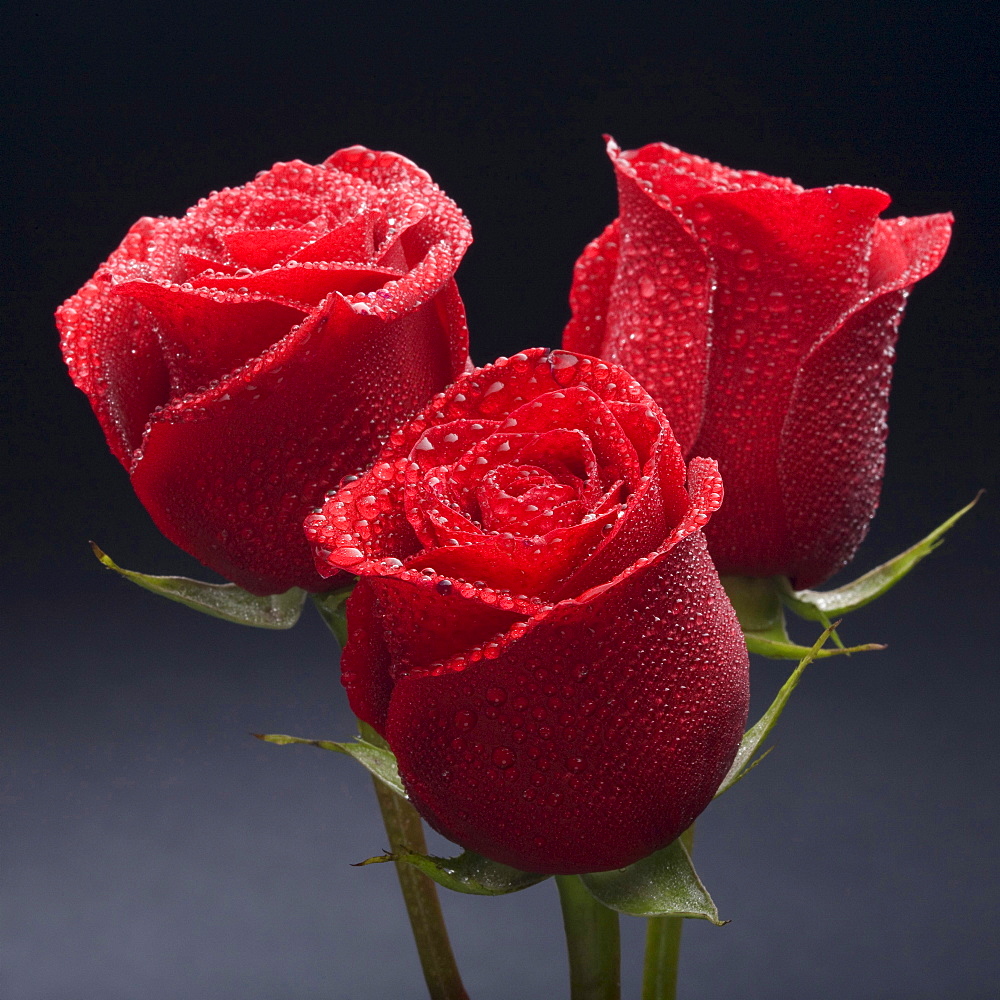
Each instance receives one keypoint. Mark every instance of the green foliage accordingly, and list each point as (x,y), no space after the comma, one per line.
(470,873)
(818,605)
(379,761)
(663,884)
(331,608)
(755,736)
(220,600)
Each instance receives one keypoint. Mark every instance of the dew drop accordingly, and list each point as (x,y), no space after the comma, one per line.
(560,359)
(465,719)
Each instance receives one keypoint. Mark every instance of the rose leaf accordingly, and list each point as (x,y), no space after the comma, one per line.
(379,761)
(816,605)
(469,873)
(663,884)
(220,600)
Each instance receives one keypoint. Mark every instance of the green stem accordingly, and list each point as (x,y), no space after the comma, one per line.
(592,941)
(663,948)
(663,952)
(406,833)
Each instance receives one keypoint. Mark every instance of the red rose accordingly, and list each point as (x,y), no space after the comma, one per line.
(538,631)
(245,357)
(762,317)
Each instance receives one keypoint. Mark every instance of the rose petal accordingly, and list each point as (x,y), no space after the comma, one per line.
(592,738)
(115,357)
(832,457)
(204,338)
(658,317)
(535,567)
(309,283)
(261,248)
(579,408)
(201,463)
(686,176)
(431,623)
(593,275)
(354,239)
(810,255)
(365,663)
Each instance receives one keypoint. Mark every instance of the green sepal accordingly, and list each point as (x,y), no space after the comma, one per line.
(757,733)
(818,605)
(776,649)
(469,873)
(331,608)
(220,600)
(664,884)
(757,602)
(379,761)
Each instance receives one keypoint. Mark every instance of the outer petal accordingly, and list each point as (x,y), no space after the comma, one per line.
(205,338)
(113,353)
(682,177)
(593,275)
(230,474)
(434,617)
(365,663)
(593,738)
(658,321)
(409,628)
(833,439)
(789,267)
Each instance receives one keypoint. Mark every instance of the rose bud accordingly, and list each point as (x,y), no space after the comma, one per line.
(244,358)
(762,317)
(538,631)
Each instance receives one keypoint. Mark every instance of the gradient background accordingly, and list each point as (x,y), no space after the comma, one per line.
(151,849)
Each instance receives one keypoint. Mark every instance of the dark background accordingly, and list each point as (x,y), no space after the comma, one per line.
(151,849)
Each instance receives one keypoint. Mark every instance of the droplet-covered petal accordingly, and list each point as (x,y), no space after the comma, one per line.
(542,636)
(243,359)
(761,316)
